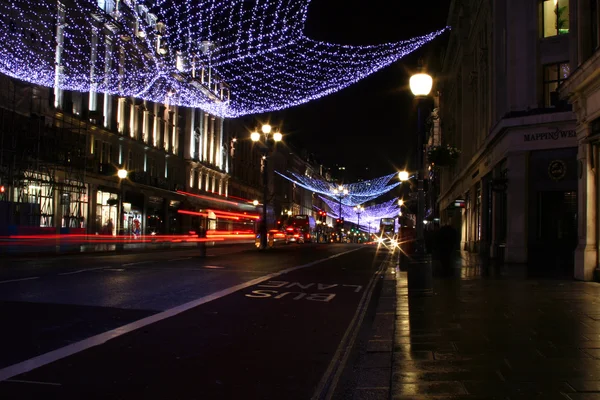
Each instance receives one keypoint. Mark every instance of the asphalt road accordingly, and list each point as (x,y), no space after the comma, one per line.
(170,325)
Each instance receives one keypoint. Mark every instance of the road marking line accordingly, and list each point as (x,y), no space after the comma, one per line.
(331,377)
(73,348)
(21,279)
(136,263)
(34,382)
(180,259)
(213,267)
(82,270)
(115,269)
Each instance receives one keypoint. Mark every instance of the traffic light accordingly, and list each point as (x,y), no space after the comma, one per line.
(2,189)
(322,216)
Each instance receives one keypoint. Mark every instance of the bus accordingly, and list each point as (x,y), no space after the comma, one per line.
(387,232)
(305,224)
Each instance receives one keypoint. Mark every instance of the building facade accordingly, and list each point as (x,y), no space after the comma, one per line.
(512,193)
(582,90)
(61,150)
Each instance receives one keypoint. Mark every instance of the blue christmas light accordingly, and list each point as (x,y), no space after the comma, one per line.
(358,193)
(370,214)
(229,58)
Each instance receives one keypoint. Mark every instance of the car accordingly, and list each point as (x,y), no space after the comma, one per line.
(293,235)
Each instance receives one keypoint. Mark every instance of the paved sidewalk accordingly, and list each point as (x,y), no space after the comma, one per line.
(487,332)
(494,334)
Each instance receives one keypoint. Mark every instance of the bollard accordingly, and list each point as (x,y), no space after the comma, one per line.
(420,277)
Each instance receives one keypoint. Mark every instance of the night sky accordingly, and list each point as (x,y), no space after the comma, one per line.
(372,123)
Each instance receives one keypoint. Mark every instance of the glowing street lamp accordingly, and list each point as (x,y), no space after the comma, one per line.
(121,174)
(420,84)
(403,176)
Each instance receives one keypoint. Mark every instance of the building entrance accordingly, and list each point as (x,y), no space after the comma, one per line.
(555,232)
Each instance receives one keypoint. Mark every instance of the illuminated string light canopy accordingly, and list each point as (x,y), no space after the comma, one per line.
(230,58)
(372,214)
(358,193)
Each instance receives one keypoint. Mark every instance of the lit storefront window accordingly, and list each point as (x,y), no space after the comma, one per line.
(106,212)
(75,206)
(37,196)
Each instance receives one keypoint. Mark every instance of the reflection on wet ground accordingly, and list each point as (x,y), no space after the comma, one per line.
(498,332)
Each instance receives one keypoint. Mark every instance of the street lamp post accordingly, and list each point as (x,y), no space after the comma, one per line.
(358,210)
(340,192)
(268,139)
(121,174)
(420,85)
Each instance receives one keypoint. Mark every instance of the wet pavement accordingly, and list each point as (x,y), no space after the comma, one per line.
(283,335)
(496,333)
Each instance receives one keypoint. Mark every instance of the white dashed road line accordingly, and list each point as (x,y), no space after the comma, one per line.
(33,382)
(136,263)
(21,279)
(82,270)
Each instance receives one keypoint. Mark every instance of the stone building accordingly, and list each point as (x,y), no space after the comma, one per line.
(513,191)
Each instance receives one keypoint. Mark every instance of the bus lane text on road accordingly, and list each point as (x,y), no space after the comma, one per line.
(291,290)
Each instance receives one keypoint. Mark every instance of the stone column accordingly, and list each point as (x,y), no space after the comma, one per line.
(516,242)
(586,251)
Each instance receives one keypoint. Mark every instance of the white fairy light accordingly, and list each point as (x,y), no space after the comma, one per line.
(229,58)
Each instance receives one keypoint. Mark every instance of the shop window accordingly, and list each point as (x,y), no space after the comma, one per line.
(554,75)
(555,17)
(75,206)
(38,194)
(106,212)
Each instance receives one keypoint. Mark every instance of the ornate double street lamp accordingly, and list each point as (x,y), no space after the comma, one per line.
(267,145)
(358,210)
(340,192)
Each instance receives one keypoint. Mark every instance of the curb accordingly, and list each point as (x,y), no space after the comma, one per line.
(375,372)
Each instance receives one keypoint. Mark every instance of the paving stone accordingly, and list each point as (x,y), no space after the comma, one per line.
(583,396)
(428,389)
(412,355)
(564,352)
(581,385)
(589,344)
(451,375)
(511,389)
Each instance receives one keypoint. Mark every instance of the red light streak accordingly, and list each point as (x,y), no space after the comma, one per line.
(208,198)
(217,212)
